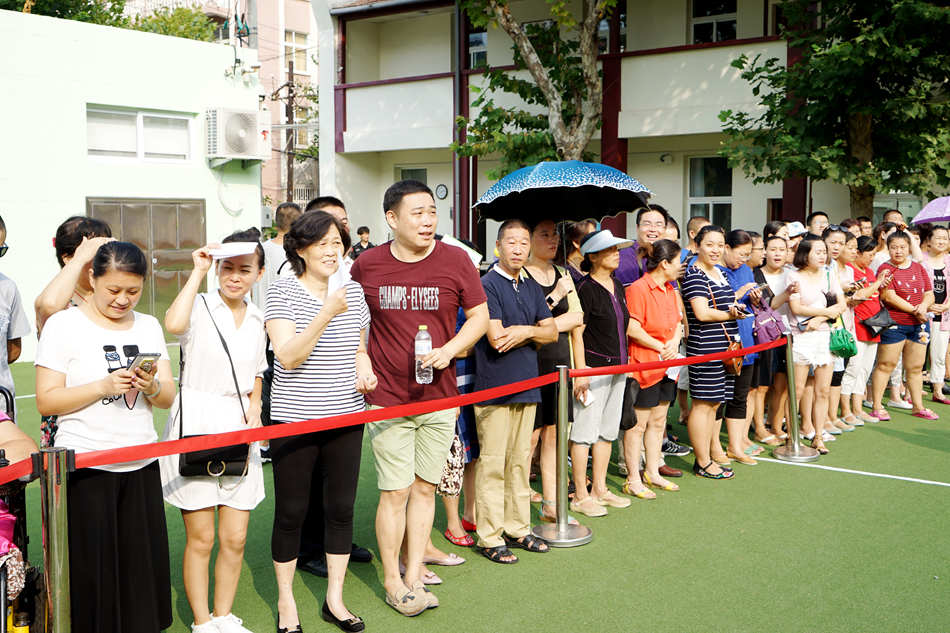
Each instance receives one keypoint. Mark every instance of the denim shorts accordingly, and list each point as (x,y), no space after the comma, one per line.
(914,333)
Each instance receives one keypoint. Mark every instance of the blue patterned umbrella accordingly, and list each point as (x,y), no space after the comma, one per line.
(564,190)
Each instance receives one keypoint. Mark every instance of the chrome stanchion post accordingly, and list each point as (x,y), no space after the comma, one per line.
(792,450)
(561,533)
(56,536)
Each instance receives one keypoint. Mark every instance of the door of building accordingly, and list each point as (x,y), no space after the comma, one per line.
(167,230)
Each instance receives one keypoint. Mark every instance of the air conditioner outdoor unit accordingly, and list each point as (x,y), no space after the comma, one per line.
(238,135)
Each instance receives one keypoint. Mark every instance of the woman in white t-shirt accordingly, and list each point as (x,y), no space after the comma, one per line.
(118,544)
(208,403)
(811,345)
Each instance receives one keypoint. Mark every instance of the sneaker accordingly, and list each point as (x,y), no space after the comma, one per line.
(900,404)
(867,404)
(207,627)
(229,623)
(622,468)
(672,448)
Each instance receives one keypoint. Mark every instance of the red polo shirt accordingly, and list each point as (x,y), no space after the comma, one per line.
(656,309)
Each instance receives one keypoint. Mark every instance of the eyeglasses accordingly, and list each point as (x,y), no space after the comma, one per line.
(3,249)
(653,225)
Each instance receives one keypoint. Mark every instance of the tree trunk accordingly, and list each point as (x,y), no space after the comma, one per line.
(862,151)
(862,200)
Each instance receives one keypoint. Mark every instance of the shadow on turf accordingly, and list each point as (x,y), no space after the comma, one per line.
(932,438)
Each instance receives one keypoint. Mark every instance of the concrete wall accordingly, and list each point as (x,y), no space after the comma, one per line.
(683,92)
(416,115)
(45,172)
(398,46)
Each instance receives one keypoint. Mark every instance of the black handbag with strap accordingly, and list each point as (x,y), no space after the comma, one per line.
(225,461)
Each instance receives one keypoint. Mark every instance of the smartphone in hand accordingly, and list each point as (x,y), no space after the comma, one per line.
(144,361)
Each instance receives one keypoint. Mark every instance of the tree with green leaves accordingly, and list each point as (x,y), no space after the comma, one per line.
(108,12)
(867,105)
(561,59)
(188,22)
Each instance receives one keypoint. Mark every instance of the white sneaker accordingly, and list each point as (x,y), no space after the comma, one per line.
(900,404)
(229,623)
(207,627)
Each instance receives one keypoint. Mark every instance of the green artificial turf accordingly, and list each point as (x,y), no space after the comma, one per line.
(779,547)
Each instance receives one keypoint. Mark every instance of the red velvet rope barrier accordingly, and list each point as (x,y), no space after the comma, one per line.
(203,442)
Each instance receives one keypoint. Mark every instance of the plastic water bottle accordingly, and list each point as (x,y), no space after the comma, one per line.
(423,346)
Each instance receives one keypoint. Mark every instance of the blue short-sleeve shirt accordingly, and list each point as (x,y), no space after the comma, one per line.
(512,304)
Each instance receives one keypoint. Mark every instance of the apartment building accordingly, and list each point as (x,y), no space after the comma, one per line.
(394,74)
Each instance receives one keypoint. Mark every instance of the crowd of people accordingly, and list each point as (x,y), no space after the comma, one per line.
(308,325)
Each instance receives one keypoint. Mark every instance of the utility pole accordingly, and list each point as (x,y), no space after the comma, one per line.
(292,131)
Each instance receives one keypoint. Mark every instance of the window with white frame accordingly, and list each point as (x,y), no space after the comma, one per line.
(710,190)
(477,49)
(138,134)
(712,21)
(295,50)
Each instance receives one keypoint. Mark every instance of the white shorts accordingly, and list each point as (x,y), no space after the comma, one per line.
(812,348)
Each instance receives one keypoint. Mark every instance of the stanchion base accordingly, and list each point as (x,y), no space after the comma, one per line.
(788,454)
(573,536)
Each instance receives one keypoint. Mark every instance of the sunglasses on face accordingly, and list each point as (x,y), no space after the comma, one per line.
(3,249)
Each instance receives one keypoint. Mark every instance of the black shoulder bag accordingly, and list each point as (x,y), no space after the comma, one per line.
(228,461)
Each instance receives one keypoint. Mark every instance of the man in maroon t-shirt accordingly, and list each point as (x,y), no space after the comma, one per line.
(414,280)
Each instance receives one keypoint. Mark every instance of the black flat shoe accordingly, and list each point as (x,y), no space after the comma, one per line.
(297,629)
(360,554)
(352,625)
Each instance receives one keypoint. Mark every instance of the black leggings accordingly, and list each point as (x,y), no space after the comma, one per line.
(336,454)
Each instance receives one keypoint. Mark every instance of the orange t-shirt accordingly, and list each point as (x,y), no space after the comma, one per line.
(656,309)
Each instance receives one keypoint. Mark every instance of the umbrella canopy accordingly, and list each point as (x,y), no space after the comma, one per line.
(562,190)
(937,210)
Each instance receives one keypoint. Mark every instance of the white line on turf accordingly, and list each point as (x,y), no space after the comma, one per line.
(857,472)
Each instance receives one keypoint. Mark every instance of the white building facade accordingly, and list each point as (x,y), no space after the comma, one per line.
(395,74)
(111,123)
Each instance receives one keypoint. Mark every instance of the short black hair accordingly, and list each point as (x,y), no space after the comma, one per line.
(804,250)
(362,229)
(897,211)
(709,228)
(322,202)
(250,235)
(772,228)
(285,214)
(653,208)
(847,223)
(813,215)
(773,237)
(737,237)
(662,250)
(124,257)
(881,229)
(863,218)
(512,223)
(309,229)
(695,221)
(866,243)
(70,233)
(898,235)
(832,229)
(399,190)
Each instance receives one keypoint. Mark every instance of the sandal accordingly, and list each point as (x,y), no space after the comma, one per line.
(536,497)
(700,471)
(926,414)
(819,446)
(461,541)
(547,518)
(880,414)
(497,553)
(645,493)
(669,487)
(529,542)
(770,440)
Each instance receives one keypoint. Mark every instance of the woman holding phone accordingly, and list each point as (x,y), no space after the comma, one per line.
(118,543)
(211,402)
(711,313)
